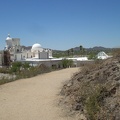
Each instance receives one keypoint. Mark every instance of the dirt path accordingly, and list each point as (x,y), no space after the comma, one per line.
(34,98)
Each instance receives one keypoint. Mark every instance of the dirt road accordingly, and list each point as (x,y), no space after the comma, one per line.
(34,98)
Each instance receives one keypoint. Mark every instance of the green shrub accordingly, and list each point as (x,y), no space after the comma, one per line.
(26,65)
(93,105)
(27,72)
(4,70)
(15,67)
(66,63)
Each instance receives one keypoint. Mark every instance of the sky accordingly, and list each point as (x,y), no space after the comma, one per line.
(61,24)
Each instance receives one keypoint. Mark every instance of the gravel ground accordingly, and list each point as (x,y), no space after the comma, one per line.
(35,98)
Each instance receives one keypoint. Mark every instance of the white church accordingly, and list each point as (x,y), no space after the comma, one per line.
(36,54)
(19,53)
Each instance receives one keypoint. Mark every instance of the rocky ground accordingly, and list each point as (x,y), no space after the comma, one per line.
(94,92)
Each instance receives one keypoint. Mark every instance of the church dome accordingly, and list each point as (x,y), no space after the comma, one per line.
(36,47)
(8,37)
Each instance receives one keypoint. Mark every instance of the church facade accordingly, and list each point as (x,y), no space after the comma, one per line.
(19,53)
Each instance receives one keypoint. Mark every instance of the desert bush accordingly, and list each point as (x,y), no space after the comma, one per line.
(4,70)
(15,67)
(93,102)
(33,71)
(66,63)
(26,72)
(90,67)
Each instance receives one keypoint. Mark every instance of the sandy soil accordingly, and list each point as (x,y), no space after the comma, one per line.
(34,98)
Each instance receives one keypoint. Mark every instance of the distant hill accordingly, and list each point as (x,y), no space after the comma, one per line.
(96,48)
(76,51)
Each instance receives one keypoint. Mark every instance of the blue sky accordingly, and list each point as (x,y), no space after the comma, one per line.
(61,24)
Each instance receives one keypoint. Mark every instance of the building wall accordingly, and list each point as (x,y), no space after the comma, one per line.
(0,59)
(17,57)
(24,55)
(15,41)
(21,56)
(37,55)
(41,55)
(50,53)
(44,55)
(49,63)
(9,43)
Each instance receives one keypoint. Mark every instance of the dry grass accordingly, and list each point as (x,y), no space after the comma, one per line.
(25,73)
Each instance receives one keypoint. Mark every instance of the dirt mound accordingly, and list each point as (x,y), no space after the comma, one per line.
(94,92)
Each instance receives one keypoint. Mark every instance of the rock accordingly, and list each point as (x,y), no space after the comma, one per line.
(77,107)
(69,84)
(82,117)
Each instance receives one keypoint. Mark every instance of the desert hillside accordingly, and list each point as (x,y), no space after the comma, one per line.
(94,92)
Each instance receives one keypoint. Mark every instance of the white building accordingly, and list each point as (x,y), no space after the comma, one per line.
(36,55)
(102,55)
(19,53)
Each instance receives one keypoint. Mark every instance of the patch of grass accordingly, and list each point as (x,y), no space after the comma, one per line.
(4,70)
(4,80)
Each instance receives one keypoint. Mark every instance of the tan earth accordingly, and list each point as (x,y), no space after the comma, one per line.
(34,98)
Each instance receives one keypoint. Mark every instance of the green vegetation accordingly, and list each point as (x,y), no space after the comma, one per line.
(20,70)
(92,55)
(93,104)
(81,52)
(4,70)
(67,63)
(17,66)
(4,80)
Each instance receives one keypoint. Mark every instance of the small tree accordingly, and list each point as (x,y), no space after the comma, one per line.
(68,52)
(66,63)
(81,49)
(16,66)
(92,56)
